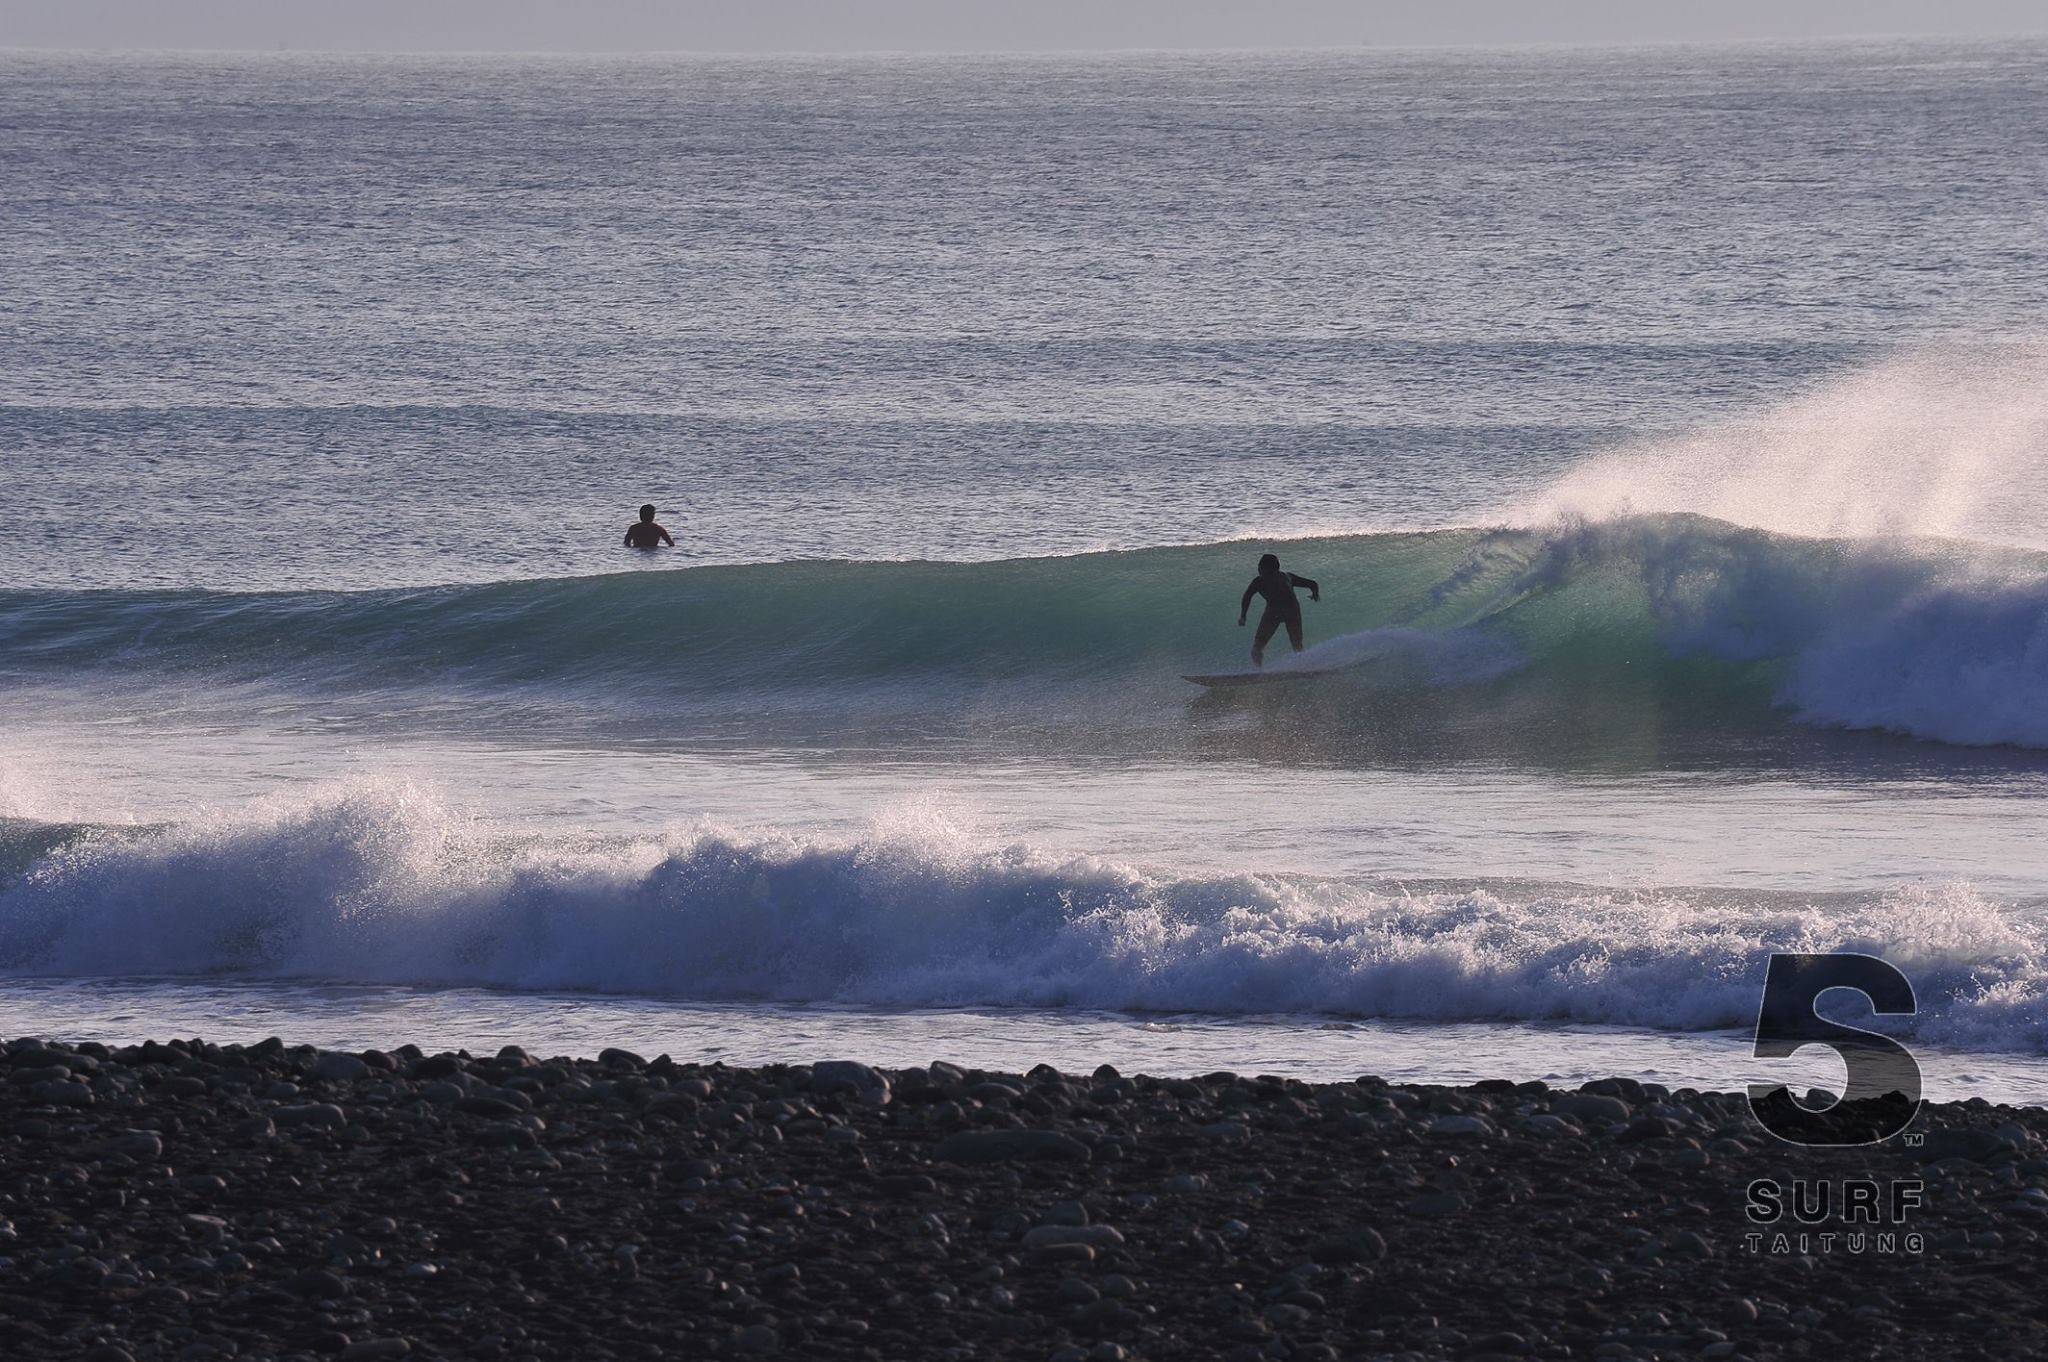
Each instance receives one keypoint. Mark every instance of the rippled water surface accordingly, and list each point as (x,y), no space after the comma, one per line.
(1663,428)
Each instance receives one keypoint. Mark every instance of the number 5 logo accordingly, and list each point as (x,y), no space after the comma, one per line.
(1883,1092)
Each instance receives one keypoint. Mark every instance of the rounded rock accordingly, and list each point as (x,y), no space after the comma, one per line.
(757,1338)
(333,1066)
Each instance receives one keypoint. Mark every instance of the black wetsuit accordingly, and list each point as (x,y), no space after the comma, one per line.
(1283,607)
(647,535)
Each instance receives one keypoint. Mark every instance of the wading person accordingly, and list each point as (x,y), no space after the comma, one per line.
(648,535)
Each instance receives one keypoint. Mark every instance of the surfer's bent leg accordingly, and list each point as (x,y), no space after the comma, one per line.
(1294,631)
(1268,622)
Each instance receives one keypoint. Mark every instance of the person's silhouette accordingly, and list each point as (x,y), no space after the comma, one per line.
(1282,605)
(646,534)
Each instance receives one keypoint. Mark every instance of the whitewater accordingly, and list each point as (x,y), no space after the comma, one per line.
(1685,585)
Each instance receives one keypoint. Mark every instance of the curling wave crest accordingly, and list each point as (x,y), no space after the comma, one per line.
(1704,621)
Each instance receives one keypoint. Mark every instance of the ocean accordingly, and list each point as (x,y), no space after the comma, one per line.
(1667,429)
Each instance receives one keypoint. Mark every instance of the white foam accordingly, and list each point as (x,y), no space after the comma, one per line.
(380,883)
(1964,662)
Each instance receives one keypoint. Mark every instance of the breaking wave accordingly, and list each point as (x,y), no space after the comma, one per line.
(1940,639)
(379,883)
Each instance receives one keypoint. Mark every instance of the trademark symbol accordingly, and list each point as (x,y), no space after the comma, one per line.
(1915,1140)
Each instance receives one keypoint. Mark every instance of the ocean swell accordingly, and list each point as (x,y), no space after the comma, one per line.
(1940,639)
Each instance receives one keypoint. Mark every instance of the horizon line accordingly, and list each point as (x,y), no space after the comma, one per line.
(1359,48)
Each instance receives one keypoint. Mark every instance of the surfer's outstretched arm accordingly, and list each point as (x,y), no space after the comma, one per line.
(1315,593)
(1245,605)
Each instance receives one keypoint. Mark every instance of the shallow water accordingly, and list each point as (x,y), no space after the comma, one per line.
(1317,1049)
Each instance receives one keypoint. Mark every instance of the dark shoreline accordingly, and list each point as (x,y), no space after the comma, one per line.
(195,1202)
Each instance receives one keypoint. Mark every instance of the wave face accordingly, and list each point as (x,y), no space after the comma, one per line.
(1942,640)
(378,883)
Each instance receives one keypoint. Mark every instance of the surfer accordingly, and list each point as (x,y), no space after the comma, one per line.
(647,534)
(1282,605)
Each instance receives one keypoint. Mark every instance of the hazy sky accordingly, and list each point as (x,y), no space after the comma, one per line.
(967,25)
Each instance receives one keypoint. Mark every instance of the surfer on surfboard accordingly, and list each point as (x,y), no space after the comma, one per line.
(1282,605)
(648,535)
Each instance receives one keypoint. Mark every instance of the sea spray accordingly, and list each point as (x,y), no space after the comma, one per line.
(1942,441)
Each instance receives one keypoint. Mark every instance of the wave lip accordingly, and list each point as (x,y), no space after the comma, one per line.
(379,884)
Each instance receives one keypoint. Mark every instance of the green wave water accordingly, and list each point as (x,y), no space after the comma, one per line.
(1937,639)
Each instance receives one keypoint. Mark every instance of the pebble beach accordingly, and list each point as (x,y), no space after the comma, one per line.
(192,1201)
